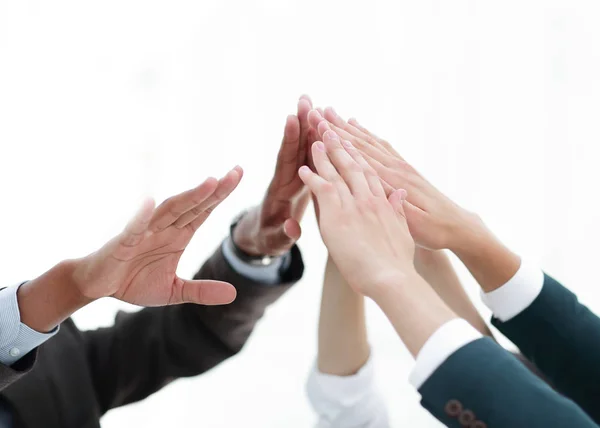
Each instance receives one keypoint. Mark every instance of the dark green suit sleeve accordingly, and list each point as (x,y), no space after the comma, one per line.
(562,338)
(482,385)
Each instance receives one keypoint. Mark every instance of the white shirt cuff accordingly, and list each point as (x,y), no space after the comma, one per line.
(347,401)
(444,342)
(16,339)
(269,274)
(517,294)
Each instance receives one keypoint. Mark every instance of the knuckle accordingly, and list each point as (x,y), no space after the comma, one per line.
(327,188)
(353,166)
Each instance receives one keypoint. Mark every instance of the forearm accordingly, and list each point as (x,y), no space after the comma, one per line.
(343,346)
(414,309)
(436,269)
(489,261)
(48,300)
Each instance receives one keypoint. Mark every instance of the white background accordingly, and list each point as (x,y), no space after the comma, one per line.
(104,102)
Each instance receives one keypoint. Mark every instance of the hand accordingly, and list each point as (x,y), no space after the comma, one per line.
(273,227)
(364,230)
(139,265)
(434,220)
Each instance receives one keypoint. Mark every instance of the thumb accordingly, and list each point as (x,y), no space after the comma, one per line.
(287,235)
(398,199)
(205,292)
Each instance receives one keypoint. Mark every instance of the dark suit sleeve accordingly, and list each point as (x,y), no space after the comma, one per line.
(562,338)
(146,350)
(10,374)
(482,385)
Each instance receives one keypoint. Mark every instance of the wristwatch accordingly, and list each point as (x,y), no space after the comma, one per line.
(240,254)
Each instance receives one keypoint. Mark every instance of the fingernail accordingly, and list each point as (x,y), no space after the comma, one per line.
(354,120)
(403,194)
(304,169)
(347,144)
(320,146)
(324,124)
(316,113)
(331,135)
(334,112)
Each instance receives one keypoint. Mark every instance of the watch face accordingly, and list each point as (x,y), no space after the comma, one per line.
(265,260)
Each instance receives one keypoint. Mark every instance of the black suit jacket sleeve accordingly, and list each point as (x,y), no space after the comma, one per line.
(562,338)
(10,374)
(146,350)
(482,385)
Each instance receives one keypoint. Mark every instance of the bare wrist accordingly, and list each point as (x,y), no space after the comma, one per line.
(468,230)
(48,300)
(485,256)
(245,233)
(392,283)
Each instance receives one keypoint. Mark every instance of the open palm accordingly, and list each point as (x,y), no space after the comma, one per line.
(139,265)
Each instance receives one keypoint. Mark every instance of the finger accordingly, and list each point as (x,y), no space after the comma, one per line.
(138,226)
(365,147)
(205,292)
(170,210)
(347,167)
(314,118)
(389,175)
(307,98)
(285,237)
(386,187)
(373,179)
(397,199)
(325,169)
(304,107)
(353,122)
(292,229)
(197,216)
(323,126)
(323,190)
(287,159)
(312,138)
(331,116)
(363,132)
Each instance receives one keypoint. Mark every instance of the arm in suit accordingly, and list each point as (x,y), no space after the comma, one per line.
(562,338)
(374,251)
(146,350)
(10,374)
(482,385)
(18,342)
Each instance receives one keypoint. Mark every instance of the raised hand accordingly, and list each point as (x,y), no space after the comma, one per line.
(432,217)
(139,265)
(364,230)
(271,228)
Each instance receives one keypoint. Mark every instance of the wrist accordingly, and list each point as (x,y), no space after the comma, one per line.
(415,310)
(48,300)
(485,256)
(468,233)
(245,233)
(392,283)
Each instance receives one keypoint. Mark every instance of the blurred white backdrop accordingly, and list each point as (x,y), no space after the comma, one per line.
(102,103)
